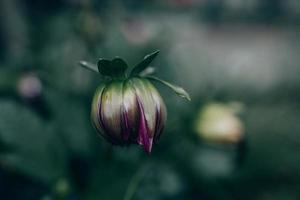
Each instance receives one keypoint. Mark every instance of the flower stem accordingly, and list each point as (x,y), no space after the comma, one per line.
(135,181)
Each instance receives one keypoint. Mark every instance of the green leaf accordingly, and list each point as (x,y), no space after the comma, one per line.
(89,66)
(115,68)
(42,157)
(144,64)
(178,90)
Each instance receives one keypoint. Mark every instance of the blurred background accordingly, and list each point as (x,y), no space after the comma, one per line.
(237,139)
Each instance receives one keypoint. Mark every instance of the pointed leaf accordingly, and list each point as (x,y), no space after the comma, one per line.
(89,66)
(144,64)
(114,68)
(178,90)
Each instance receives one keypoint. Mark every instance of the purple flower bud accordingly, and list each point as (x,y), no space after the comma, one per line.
(129,111)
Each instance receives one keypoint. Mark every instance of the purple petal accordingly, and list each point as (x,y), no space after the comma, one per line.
(130,114)
(143,133)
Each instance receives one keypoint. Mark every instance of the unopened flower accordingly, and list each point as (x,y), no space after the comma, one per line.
(219,123)
(129,109)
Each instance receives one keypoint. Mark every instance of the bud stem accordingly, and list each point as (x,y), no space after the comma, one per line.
(135,180)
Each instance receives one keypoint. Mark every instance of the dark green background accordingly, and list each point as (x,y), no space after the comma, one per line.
(231,50)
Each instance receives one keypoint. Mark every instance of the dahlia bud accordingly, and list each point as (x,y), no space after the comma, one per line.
(129,109)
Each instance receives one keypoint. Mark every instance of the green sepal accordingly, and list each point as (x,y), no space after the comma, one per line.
(178,90)
(115,68)
(89,66)
(144,64)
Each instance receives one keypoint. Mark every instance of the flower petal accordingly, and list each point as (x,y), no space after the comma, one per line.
(111,110)
(130,112)
(160,111)
(143,92)
(95,109)
(144,137)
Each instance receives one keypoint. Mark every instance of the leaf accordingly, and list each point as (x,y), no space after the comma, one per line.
(89,66)
(115,68)
(178,90)
(144,64)
(42,157)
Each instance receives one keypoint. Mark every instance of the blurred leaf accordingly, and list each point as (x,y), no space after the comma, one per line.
(36,149)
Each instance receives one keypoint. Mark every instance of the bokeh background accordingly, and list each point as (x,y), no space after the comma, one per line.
(237,139)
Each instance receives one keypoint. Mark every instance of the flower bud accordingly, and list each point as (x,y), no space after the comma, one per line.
(129,111)
(218,123)
(127,108)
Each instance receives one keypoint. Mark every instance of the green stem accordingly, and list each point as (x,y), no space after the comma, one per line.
(135,181)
